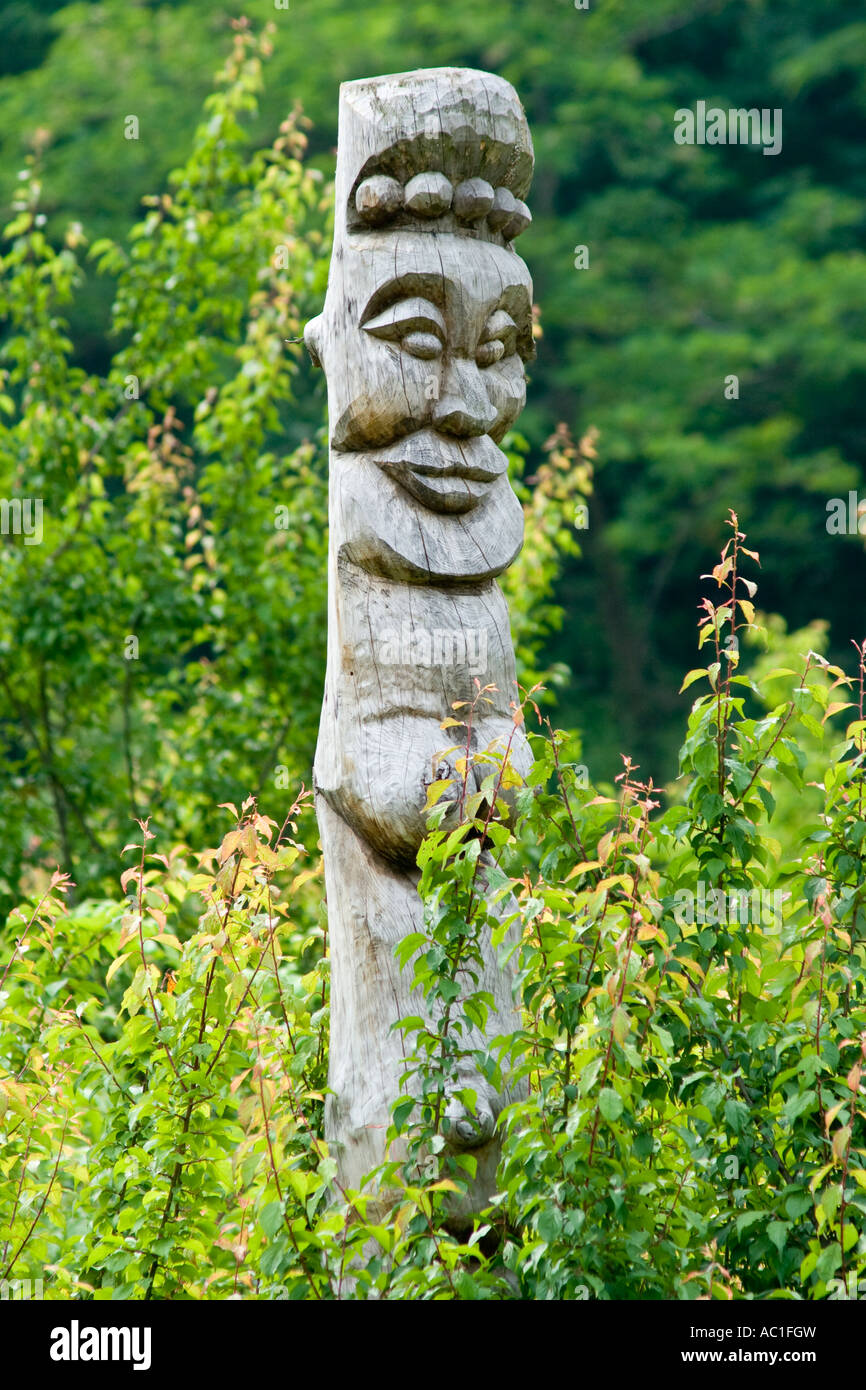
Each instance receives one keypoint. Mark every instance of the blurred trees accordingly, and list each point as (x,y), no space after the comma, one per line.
(703,263)
(160,647)
(163,555)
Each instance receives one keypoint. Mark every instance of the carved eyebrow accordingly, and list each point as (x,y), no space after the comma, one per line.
(516,303)
(412,313)
(499,323)
(514,300)
(410,286)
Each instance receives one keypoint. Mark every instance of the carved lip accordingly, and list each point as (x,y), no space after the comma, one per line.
(444,473)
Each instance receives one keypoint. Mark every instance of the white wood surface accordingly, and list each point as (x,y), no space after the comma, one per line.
(424,336)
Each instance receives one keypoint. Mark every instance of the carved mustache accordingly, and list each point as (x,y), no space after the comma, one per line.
(432,455)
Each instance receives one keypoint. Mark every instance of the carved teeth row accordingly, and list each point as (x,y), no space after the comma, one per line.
(428,195)
(380,197)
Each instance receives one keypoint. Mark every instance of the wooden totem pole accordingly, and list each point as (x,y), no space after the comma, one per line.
(426,328)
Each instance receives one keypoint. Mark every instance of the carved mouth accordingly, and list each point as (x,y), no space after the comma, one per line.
(446,474)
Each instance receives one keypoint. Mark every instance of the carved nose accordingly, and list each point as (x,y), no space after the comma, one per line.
(464,407)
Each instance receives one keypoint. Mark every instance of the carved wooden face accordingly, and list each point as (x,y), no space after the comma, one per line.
(424,339)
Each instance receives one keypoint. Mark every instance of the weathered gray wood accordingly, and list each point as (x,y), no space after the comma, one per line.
(426,328)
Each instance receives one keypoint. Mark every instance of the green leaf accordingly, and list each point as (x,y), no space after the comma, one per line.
(778,1231)
(610,1104)
(798,1204)
(115,966)
(271,1218)
(402,1111)
(549,1224)
(692,676)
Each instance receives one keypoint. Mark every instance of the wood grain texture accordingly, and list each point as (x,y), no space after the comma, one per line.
(424,335)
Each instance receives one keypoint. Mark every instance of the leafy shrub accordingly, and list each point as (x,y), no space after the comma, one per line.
(694,1124)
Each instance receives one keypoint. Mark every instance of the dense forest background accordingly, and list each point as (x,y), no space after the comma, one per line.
(703,262)
(691,964)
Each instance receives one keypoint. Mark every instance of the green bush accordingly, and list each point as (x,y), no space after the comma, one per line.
(691,970)
(694,1033)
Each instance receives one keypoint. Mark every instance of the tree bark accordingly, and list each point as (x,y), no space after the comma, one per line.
(426,329)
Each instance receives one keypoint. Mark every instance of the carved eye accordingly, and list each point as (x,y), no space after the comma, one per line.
(491,352)
(422,344)
(498,340)
(415,324)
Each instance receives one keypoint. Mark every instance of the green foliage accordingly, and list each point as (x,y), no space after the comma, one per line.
(691,1050)
(180,584)
(703,262)
(167,1037)
(695,1019)
(552,499)
(179,588)
(690,1118)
